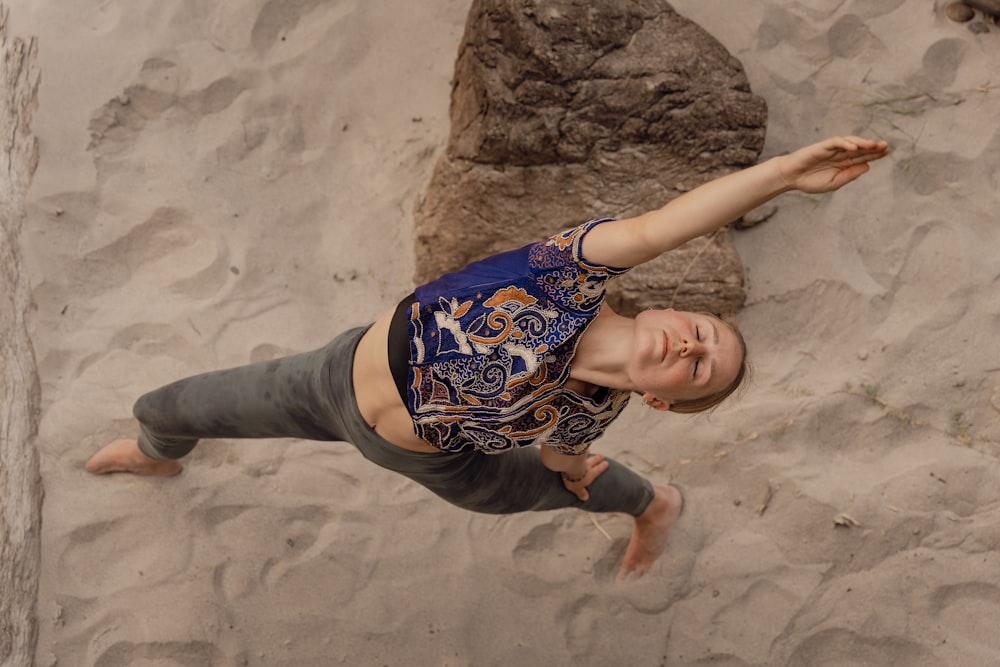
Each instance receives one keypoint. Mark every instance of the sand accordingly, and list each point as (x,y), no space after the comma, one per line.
(230,181)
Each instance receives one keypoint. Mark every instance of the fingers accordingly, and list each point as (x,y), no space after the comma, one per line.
(596,465)
(594,470)
(866,144)
(832,163)
(859,147)
(843,143)
(849,174)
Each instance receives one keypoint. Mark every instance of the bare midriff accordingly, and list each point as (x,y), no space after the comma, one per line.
(378,400)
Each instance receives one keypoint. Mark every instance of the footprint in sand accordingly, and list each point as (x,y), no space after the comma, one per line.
(160,87)
(207,270)
(562,548)
(151,558)
(146,338)
(311,537)
(277,18)
(850,37)
(583,619)
(539,539)
(178,654)
(741,612)
(113,264)
(168,234)
(941,63)
(969,610)
(829,648)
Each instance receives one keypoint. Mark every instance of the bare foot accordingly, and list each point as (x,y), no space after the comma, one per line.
(650,533)
(125,456)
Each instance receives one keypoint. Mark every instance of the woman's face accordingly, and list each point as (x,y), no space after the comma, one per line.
(679,356)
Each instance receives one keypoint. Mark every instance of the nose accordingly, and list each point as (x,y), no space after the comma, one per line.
(691,346)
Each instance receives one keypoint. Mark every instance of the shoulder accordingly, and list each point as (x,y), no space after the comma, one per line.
(566,248)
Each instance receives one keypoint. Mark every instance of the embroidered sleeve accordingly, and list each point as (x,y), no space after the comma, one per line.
(565,276)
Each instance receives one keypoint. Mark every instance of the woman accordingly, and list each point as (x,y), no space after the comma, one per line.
(452,386)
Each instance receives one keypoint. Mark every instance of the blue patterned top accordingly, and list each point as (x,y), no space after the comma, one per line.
(491,347)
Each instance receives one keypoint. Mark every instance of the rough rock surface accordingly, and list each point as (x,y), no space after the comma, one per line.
(20,484)
(565,110)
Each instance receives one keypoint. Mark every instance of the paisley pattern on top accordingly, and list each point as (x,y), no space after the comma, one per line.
(491,347)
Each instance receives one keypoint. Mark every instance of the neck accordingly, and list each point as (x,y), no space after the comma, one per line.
(603,352)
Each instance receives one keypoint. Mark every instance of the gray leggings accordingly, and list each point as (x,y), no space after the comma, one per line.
(311,396)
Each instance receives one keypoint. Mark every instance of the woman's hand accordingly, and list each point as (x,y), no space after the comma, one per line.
(577,481)
(830,164)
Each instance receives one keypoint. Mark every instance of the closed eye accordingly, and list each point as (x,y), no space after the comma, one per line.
(697,362)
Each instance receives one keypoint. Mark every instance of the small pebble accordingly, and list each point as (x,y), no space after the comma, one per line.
(959,12)
(862,354)
(978,28)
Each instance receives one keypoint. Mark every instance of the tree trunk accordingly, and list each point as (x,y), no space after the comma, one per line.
(20,484)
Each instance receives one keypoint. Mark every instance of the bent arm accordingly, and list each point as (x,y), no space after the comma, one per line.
(822,167)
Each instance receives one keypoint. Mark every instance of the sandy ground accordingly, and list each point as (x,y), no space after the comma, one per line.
(226,182)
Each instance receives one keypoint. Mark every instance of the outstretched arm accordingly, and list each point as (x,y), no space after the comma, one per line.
(821,167)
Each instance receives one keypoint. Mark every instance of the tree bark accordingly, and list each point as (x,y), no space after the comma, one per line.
(20,483)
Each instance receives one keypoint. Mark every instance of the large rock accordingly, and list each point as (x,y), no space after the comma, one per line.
(566,110)
(20,484)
